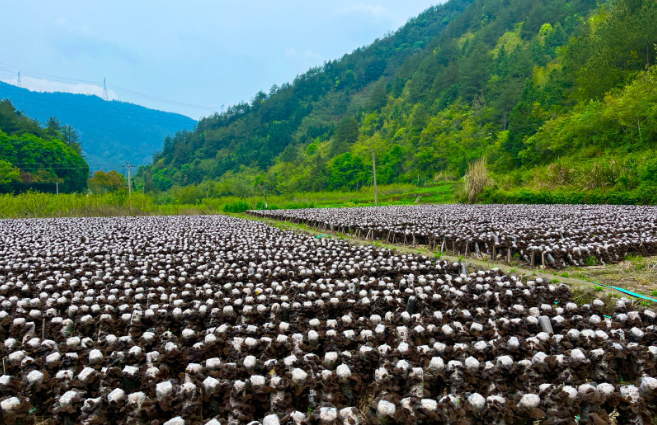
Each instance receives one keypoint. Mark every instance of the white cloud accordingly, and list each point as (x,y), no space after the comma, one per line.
(308,54)
(50,86)
(377,11)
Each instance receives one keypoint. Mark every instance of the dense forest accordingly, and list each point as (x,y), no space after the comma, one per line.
(44,158)
(555,94)
(111,133)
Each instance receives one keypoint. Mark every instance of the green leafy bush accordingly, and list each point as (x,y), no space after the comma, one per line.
(236,207)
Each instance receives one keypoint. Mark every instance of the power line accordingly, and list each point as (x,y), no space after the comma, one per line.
(49,76)
(109,105)
(157,99)
(132,92)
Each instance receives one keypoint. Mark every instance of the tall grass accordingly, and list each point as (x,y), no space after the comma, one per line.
(476,179)
(36,204)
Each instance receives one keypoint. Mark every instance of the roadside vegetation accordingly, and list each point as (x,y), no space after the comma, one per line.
(118,203)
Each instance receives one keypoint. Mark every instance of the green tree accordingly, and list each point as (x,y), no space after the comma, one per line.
(71,138)
(346,134)
(8,175)
(102,182)
(617,44)
(53,127)
(378,96)
(346,171)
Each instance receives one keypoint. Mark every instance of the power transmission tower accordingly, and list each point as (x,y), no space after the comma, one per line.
(128,166)
(19,80)
(105,89)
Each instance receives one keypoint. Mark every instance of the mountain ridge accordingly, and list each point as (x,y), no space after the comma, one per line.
(550,96)
(108,130)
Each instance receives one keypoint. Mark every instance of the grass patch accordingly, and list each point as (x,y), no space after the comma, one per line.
(36,204)
(583,296)
(638,262)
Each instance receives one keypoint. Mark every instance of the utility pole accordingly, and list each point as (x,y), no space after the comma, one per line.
(105,97)
(19,80)
(57,181)
(264,195)
(128,166)
(376,192)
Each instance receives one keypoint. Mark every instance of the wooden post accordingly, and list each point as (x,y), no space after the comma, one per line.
(532,264)
(376,192)
(43,329)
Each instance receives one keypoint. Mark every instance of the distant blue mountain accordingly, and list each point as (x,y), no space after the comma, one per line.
(111,132)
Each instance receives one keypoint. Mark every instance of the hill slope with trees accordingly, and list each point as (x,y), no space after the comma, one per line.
(556,95)
(36,157)
(110,132)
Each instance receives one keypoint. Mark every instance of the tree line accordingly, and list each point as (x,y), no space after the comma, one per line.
(47,158)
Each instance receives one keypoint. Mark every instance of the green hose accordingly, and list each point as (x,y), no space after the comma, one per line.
(625,291)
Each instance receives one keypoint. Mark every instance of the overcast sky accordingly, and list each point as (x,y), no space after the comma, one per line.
(192,53)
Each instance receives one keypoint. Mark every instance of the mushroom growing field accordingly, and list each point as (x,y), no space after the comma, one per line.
(219,320)
(550,235)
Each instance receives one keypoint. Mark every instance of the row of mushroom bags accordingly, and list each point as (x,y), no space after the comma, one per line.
(551,235)
(213,319)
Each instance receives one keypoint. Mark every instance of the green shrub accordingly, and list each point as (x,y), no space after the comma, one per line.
(643,195)
(236,207)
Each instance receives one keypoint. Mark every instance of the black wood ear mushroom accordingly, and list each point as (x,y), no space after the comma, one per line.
(174,320)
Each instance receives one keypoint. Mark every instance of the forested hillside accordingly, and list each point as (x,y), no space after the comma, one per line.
(555,94)
(36,157)
(111,133)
